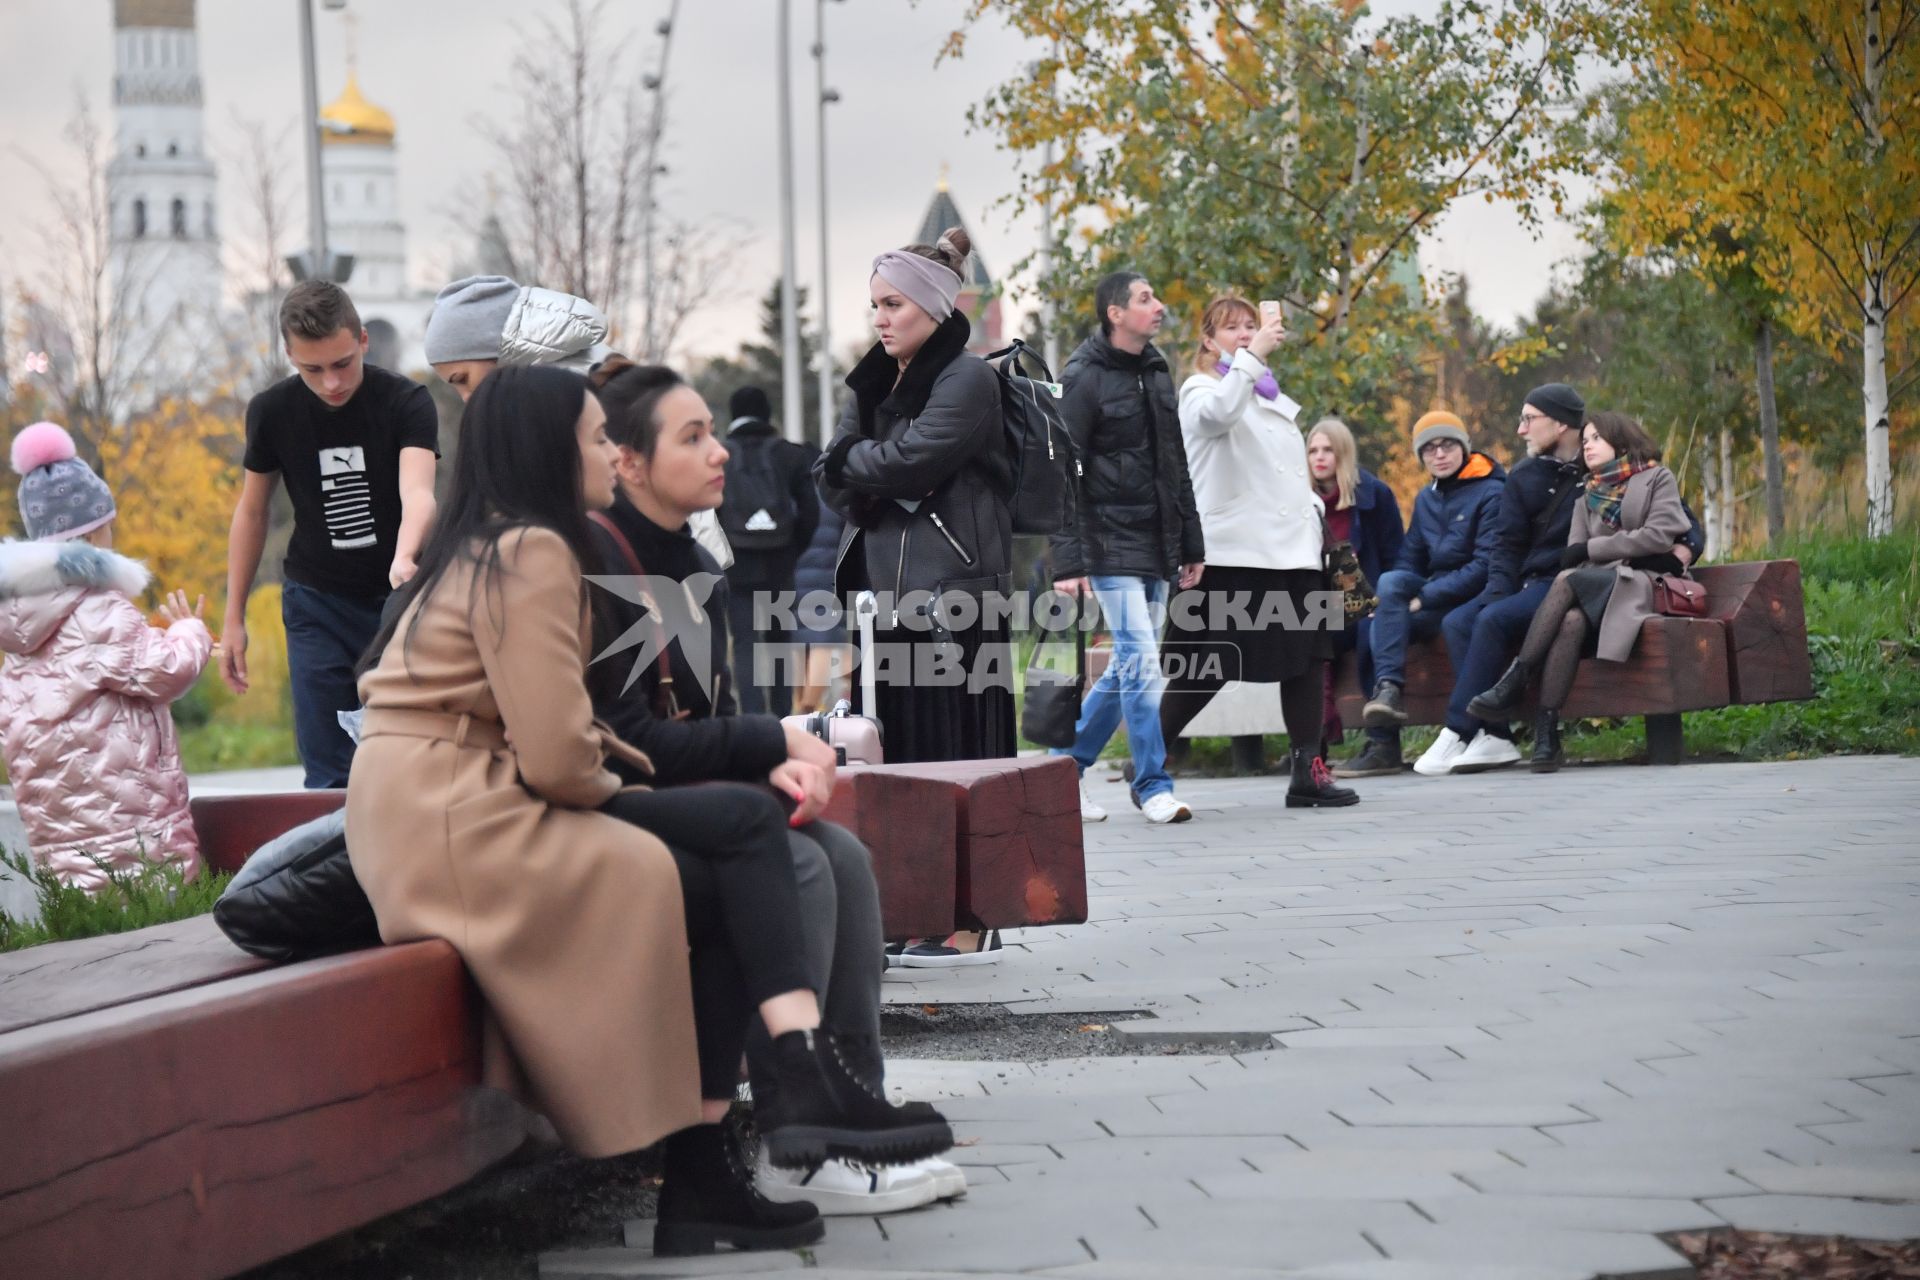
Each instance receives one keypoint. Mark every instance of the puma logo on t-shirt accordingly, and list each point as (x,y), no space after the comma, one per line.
(348,500)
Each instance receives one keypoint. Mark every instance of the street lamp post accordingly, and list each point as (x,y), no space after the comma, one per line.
(792,402)
(319,262)
(824,354)
(655,84)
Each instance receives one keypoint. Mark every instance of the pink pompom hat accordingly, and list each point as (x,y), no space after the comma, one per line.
(60,496)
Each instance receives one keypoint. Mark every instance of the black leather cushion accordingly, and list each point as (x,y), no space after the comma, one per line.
(297,897)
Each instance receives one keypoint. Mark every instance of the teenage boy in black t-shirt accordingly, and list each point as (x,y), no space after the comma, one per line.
(357,446)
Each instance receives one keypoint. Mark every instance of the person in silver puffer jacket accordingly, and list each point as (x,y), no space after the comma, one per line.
(482,323)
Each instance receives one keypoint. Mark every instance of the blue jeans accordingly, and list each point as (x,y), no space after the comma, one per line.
(1393,629)
(326,634)
(1358,637)
(1482,637)
(1131,685)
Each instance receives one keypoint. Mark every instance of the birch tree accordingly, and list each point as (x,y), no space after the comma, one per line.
(1790,128)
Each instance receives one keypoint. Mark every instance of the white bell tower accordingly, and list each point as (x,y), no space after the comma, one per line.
(162,194)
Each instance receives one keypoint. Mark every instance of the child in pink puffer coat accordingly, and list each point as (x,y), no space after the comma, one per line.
(86,682)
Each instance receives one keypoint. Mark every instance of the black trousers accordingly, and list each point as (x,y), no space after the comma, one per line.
(729,841)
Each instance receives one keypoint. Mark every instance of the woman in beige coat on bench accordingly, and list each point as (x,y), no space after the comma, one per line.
(1623,534)
(474,815)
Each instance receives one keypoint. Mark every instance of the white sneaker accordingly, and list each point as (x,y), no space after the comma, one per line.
(1089,811)
(949,1180)
(1437,760)
(842,1189)
(1162,807)
(1486,751)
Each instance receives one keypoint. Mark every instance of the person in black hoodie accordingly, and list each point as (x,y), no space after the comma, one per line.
(1135,527)
(678,707)
(769,514)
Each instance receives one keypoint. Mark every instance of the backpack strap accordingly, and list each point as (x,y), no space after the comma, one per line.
(664,704)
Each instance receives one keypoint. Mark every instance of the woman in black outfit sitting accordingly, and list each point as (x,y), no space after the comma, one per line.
(670,694)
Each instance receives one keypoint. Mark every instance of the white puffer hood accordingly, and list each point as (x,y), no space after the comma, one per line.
(548,327)
(42,582)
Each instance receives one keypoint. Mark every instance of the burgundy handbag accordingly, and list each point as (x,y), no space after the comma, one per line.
(1678,596)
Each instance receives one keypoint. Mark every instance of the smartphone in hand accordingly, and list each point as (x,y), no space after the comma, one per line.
(1269,309)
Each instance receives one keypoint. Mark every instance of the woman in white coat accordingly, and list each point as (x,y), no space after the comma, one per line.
(1264,614)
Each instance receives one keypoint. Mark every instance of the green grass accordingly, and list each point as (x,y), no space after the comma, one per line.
(1863,616)
(155,893)
(217,746)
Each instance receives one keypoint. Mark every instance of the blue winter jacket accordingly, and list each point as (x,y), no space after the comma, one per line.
(1454,533)
(1377,528)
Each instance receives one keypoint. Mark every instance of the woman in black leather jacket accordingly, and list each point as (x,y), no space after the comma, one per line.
(920,471)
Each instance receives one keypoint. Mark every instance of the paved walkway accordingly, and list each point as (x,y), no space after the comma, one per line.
(1519,1026)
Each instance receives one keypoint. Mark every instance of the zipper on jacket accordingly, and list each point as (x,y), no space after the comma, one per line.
(899,577)
(952,541)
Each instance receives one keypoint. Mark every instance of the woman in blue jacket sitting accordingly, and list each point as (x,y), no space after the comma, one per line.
(1362,514)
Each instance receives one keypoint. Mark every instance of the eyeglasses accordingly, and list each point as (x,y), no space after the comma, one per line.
(1528,419)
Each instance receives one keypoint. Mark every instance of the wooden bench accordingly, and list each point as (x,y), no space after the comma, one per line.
(170,1107)
(173,1107)
(1750,648)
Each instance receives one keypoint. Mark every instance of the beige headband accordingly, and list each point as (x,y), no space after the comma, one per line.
(930,285)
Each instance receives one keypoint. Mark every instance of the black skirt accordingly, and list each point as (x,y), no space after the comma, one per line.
(1248,624)
(1592,587)
(925,715)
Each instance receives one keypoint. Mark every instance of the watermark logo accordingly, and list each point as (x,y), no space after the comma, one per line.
(671,612)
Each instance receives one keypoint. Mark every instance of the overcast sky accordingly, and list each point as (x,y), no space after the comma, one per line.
(437,65)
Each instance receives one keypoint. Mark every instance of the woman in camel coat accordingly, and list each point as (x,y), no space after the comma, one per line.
(569,920)
(481,810)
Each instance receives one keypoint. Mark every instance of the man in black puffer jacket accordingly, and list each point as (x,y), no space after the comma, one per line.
(1136,527)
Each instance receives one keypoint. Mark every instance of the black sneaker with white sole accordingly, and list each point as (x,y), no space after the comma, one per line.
(940,955)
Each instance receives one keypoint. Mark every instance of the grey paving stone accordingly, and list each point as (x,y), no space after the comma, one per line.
(619,1264)
(1586,1213)
(1821,1215)
(1878,1180)
(1620,1255)
(1615,1172)
(1729,997)
(1389,1269)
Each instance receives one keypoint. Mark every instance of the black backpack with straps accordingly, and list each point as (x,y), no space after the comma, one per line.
(758,510)
(1046,468)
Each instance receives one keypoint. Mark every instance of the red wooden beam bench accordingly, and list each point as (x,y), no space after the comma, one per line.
(170,1107)
(1751,647)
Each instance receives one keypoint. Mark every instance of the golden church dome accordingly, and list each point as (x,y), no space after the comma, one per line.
(351,118)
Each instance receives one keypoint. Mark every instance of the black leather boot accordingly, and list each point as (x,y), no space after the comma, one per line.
(1504,698)
(707,1199)
(1548,755)
(1313,786)
(824,1110)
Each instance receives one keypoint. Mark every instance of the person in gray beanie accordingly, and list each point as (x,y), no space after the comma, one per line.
(481,323)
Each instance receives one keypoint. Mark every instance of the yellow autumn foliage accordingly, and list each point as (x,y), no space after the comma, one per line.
(175,475)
